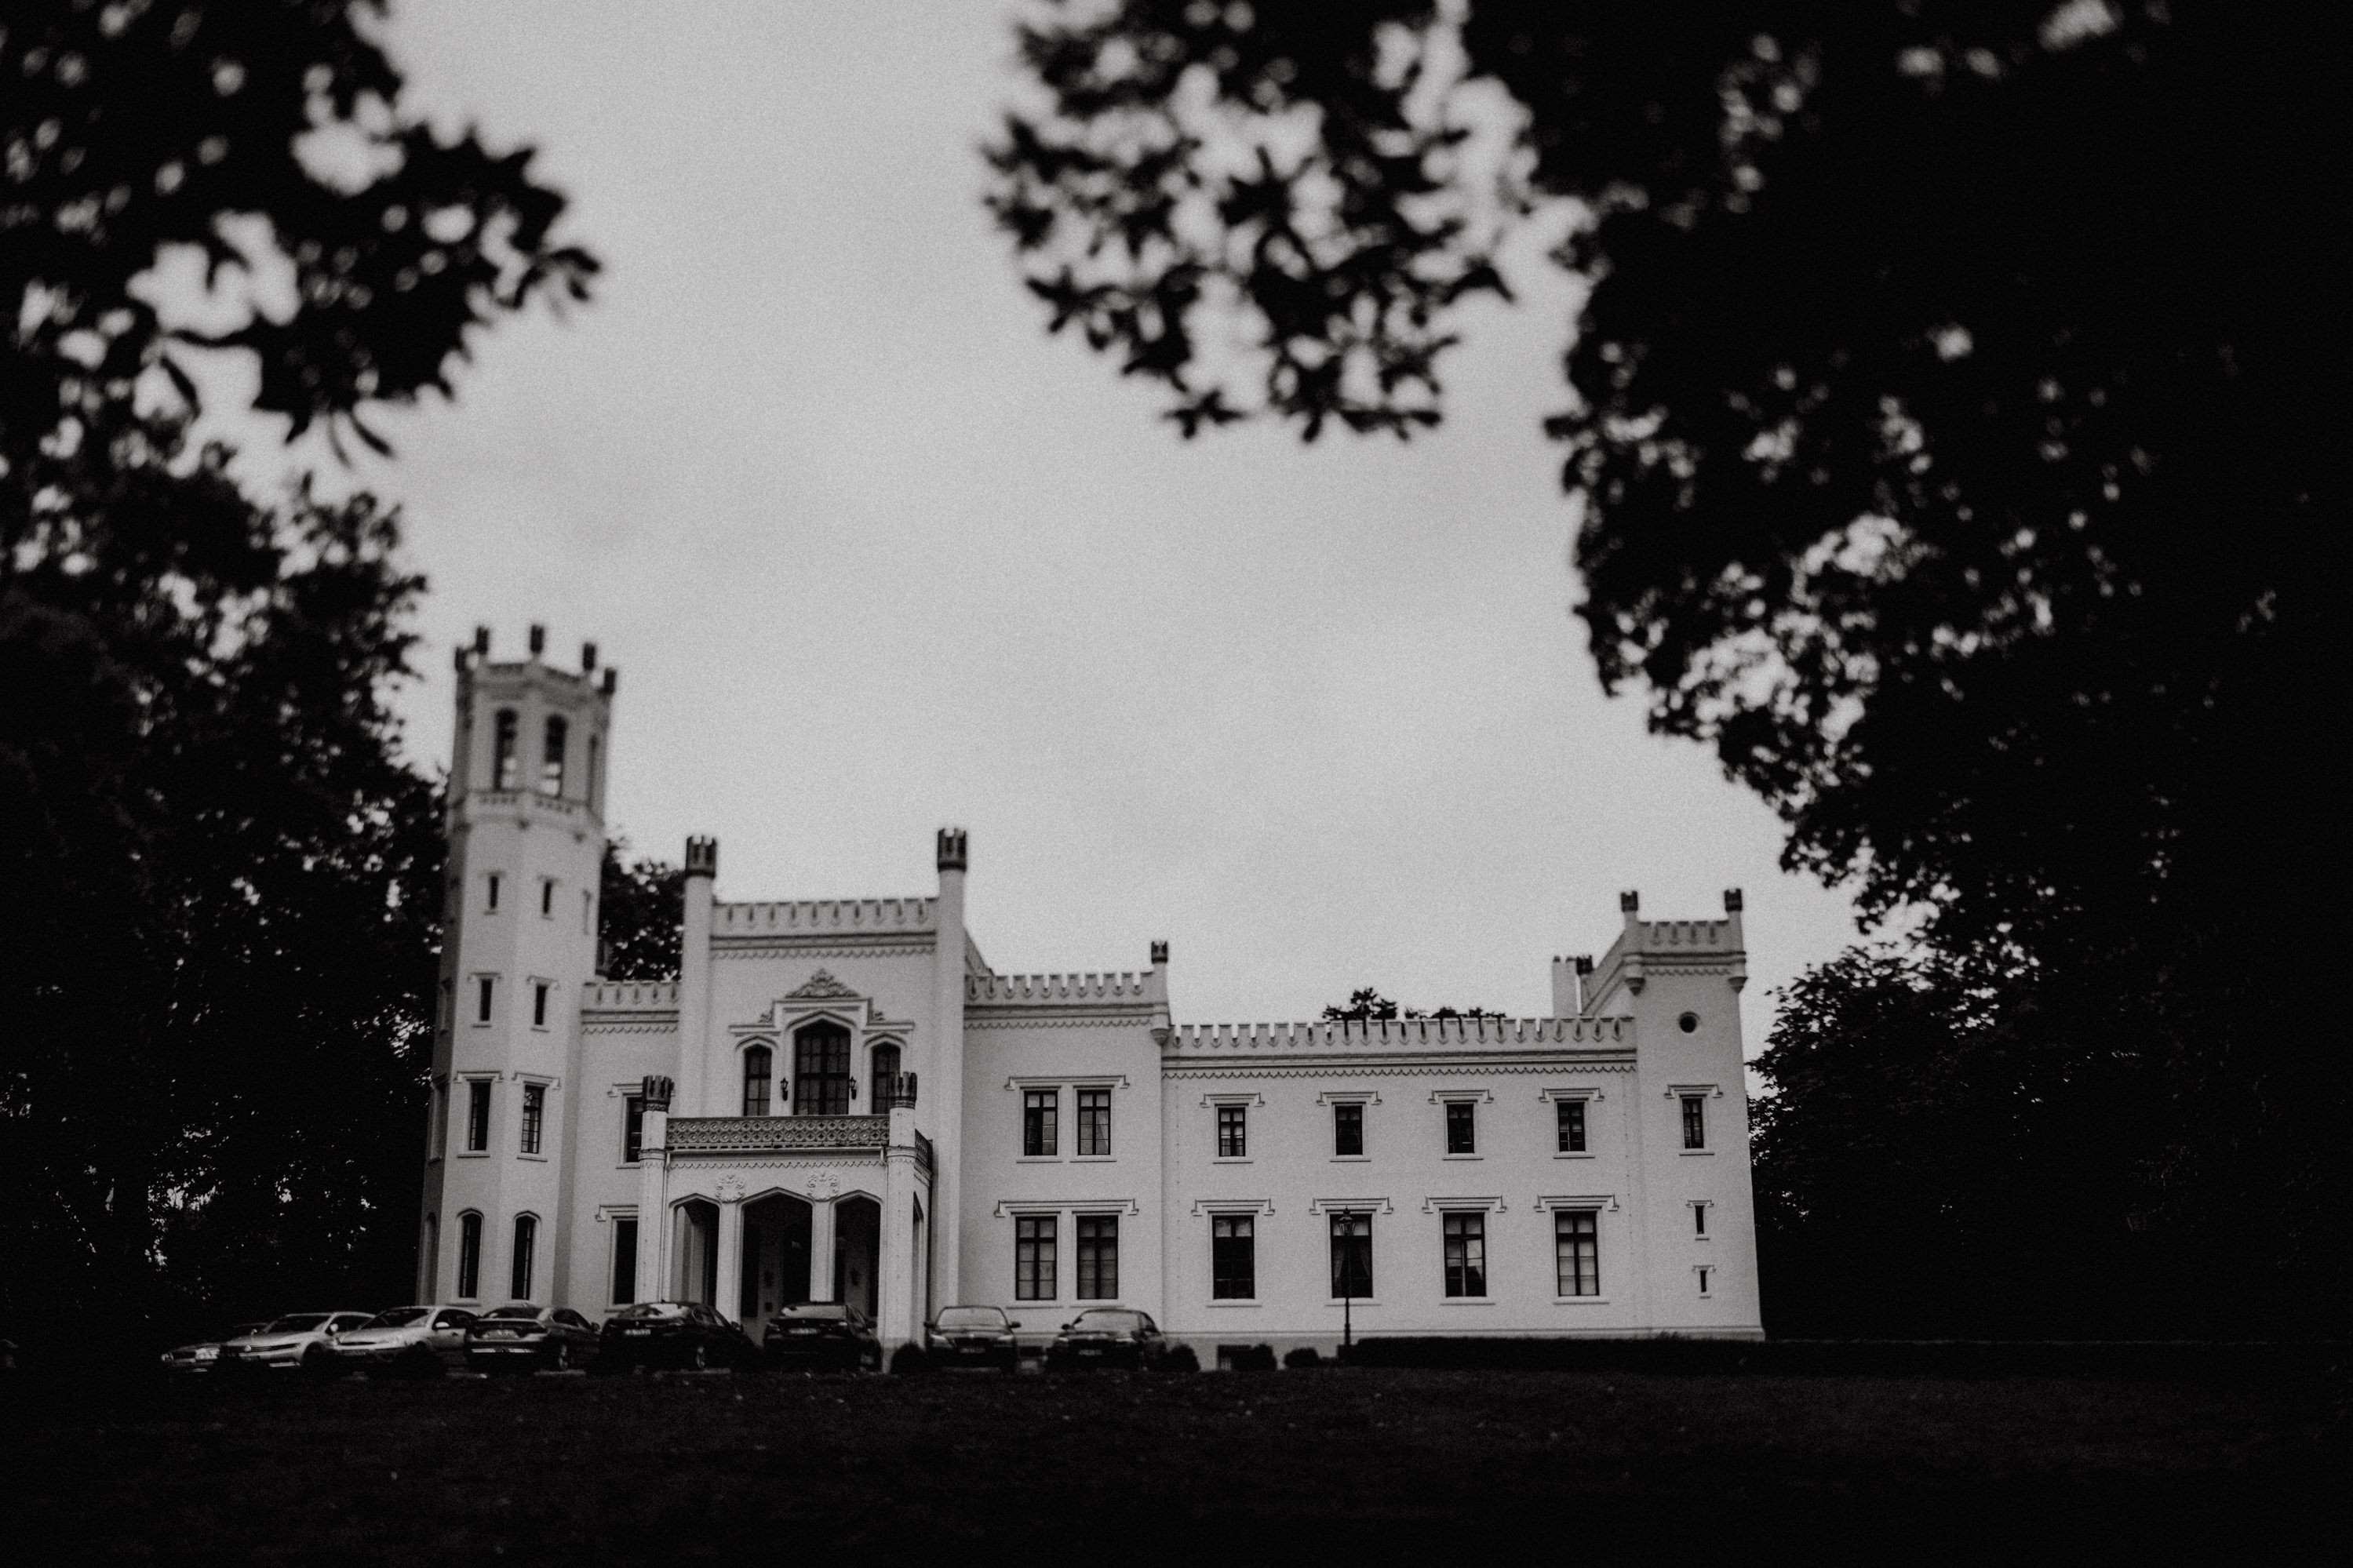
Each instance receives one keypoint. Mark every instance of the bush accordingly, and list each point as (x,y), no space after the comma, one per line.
(1304,1356)
(909,1360)
(1182,1359)
(1258,1357)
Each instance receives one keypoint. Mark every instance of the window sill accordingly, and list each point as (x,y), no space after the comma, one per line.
(1352,1158)
(534,1159)
(630,1165)
(1463,1156)
(1093,1159)
(1687,1154)
(1037,1159)
(1231,1159)
(1355,1300)
(474,1153)
(1467,1301)
(1580,1301)
(1574,1154)
(1237,1301)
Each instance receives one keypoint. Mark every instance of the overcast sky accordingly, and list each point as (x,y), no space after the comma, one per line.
(875,554)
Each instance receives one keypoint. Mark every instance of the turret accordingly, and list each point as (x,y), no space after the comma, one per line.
(526,834)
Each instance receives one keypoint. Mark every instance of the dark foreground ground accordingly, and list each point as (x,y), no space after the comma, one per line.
(1351,1465)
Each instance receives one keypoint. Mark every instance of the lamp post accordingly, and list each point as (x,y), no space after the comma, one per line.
(1348,1281)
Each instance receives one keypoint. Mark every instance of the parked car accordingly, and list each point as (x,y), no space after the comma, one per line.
(205,1355)
(672,1333)
(521,1337)
(421,1341)
(1107,1336)
(301,1341)
(974,1336)
(822,1334)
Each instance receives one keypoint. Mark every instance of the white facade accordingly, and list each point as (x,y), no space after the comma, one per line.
(942,1133)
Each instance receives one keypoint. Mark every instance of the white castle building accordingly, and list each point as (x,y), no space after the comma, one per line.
(842,1099)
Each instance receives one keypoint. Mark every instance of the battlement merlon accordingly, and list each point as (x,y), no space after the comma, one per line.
(1199,1044)
(1645,948)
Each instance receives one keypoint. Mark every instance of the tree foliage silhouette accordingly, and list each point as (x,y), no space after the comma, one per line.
(226,893)
(1955,429)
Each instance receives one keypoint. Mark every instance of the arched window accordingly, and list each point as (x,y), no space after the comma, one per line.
(885,1077)
(821,1071)
(527,1239)
(470,1256)
(757,1068)
(506,770)
(551,767)
(595,750)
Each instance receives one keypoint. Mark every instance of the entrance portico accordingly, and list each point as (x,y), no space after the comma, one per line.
(768,1211)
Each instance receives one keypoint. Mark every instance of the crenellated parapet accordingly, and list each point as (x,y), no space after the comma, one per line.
(1701,947)
(1395,1034)
(1044,990)
(828,915)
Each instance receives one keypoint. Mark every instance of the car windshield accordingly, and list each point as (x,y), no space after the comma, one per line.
(831,1310)
(972,1318)
(514,1314)
(299,1324)
(398,1318)
(645,1310)
(1101,1322)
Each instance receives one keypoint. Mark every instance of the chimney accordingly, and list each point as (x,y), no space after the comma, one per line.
(587,659)
(538,639)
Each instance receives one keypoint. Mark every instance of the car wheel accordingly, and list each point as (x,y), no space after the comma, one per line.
(699,1358)
(564,1358)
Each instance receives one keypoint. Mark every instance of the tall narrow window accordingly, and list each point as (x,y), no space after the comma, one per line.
(1462,1127)
(478,1115)
(633,1129)
(625,1261)
(485,991)
(539,989)
(587,912)
(526,1238)
(535,1115)
(1694,1122)
(490,886)
(1042,1110)
(1233,1131)
(821,1071)
(1348,1129)
(1702,1274)
(1233,1257)
(506,767)
(1570,1118)
(470,1256)
(595,751)
(1095,1121)
(757,1063)
(1577,1253)
(1098,1257)
(1033,1257)
(547,897)
(1466,1254)
(1352,1255)
(883,1063)
(1699,1219)
(551,765)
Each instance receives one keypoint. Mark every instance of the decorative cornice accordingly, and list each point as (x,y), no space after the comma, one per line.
(826,945)
(1341,1067)
(1005,1206)
(821,983)
(654,1026)
(723,1135)
(1024,1019)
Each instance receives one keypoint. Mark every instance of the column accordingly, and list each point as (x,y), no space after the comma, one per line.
(943,1085)
(653,1207)
(730,1288)
(895,1301)
(821,1249)
(694,980)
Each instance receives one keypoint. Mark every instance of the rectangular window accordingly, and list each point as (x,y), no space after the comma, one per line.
(1694,1122)
(1461,1129)
(1233,1256)
(539,989)
(1704,1274)
(485,989)
(1347,1130)
(1699,1219)
(1098,1257)
(535,1115)
(1233,1131)
(1352,1255)
(478,1116)
(505,769)
(470,1256)
(526,1241)
(1570,1116)
(1033,1257)
(547,897)
(490,892)
(633,1129)
(625,1261)
(1095,1121)
(1577,1253)
(1466,1254)
(1041,1110)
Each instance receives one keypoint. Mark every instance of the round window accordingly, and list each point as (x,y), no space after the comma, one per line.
(1689,1023)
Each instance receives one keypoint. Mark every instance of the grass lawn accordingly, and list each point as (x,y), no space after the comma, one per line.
(1358,1464)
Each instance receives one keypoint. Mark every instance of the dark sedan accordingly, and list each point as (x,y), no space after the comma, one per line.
(823,1335)
(672,1333)
(974,1336)
(1107,1336)
(521,1337)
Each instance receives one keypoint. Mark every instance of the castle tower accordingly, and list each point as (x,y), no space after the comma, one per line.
(526,827)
